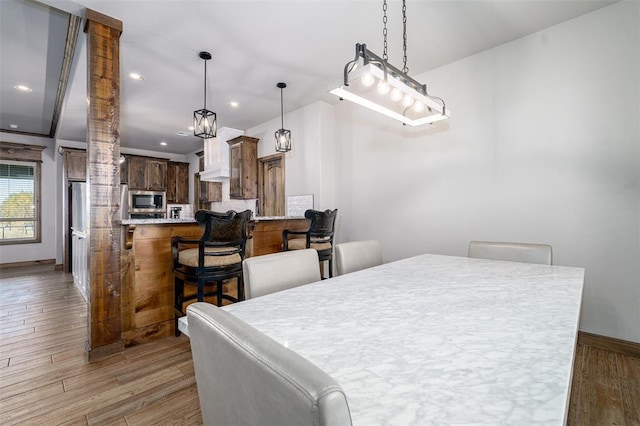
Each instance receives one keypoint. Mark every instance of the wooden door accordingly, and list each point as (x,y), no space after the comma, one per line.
(271,185)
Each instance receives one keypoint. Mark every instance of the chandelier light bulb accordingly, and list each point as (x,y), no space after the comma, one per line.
(383,87)
(368,79)
(407,101)
(418,107)
(396,95)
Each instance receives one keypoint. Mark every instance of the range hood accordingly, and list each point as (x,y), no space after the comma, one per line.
(216,155)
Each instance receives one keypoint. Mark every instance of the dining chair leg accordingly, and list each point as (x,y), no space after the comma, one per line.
(200,294)
(219,284)
(240,292)
(177,302)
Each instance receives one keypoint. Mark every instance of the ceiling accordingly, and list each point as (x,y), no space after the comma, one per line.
(255,44)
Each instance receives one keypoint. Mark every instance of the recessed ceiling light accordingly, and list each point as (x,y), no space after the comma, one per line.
(23,88)
(135,76)
(183,133)
(163,143)
(234,104)
(13,126)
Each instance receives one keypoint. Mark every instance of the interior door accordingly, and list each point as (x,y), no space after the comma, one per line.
(271,185)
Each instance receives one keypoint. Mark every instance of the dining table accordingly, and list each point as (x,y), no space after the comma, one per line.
(436,339)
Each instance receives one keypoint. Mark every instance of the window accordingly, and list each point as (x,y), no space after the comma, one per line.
(19,195)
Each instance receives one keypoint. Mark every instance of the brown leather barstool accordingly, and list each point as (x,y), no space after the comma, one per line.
(318,237)
(215,257)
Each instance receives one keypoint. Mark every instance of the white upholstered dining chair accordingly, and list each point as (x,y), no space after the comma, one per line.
(246,378)
(279,271)
(356,255)
(514,252)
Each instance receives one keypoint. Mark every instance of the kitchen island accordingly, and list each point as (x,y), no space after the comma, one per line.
(147,268)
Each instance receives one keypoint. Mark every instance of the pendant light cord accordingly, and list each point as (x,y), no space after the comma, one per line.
(385,56)
(405,69)
(281,109)
(205,84)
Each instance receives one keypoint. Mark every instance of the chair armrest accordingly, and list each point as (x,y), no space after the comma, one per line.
(182,240)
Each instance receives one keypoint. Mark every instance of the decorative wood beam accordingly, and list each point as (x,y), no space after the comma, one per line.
(103,176)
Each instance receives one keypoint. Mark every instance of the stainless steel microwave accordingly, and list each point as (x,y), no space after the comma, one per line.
(147,202)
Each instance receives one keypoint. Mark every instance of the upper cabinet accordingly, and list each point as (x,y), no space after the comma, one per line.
(147,173)
(243,156)
(75,164)
(177,183)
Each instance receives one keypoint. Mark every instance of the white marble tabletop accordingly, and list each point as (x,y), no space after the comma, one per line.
(436,339)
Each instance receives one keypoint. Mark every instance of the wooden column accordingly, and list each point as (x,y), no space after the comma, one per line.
(103,176)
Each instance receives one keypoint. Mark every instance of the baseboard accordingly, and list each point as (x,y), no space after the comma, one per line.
(609,344)
(59,267)
(27,263)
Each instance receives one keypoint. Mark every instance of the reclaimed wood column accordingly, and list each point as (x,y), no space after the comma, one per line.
(103,176)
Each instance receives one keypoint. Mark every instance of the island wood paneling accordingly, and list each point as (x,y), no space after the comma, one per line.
(147,279)
(267,234)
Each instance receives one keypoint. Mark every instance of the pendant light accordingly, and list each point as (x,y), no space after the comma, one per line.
(205,123)
(371,81)
(283,137)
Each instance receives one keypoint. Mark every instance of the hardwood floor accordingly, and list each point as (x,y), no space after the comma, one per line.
(46,379)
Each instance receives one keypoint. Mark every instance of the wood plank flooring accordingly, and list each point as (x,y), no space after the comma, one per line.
(45,377)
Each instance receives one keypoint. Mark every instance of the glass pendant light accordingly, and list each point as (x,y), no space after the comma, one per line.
(205,123)
(283,136)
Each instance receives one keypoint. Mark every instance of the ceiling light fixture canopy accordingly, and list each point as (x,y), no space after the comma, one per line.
(371,81)
(205,123)
(283,136)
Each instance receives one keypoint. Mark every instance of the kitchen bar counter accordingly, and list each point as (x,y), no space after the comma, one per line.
(147,268)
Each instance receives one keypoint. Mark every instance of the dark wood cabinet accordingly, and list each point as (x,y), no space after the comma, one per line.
(210,191)
(243,156)
(147,173)
(177,183)
(75,164)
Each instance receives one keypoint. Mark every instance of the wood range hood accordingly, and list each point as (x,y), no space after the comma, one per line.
(216,155)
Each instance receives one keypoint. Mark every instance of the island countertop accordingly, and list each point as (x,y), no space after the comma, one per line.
(192,220)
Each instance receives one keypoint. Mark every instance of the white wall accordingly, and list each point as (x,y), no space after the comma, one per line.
(543,146)
(309,167)
(49,193)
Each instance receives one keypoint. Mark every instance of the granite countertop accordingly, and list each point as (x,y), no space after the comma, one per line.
(259,218)
(155,221)
(191,220)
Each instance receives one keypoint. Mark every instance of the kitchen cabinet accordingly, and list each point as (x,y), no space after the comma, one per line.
(243,156)
(205,192)
(177,183)
(210,191)
(75,163)
(147,173)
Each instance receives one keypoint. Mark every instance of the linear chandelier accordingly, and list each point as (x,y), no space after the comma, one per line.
(371,81)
